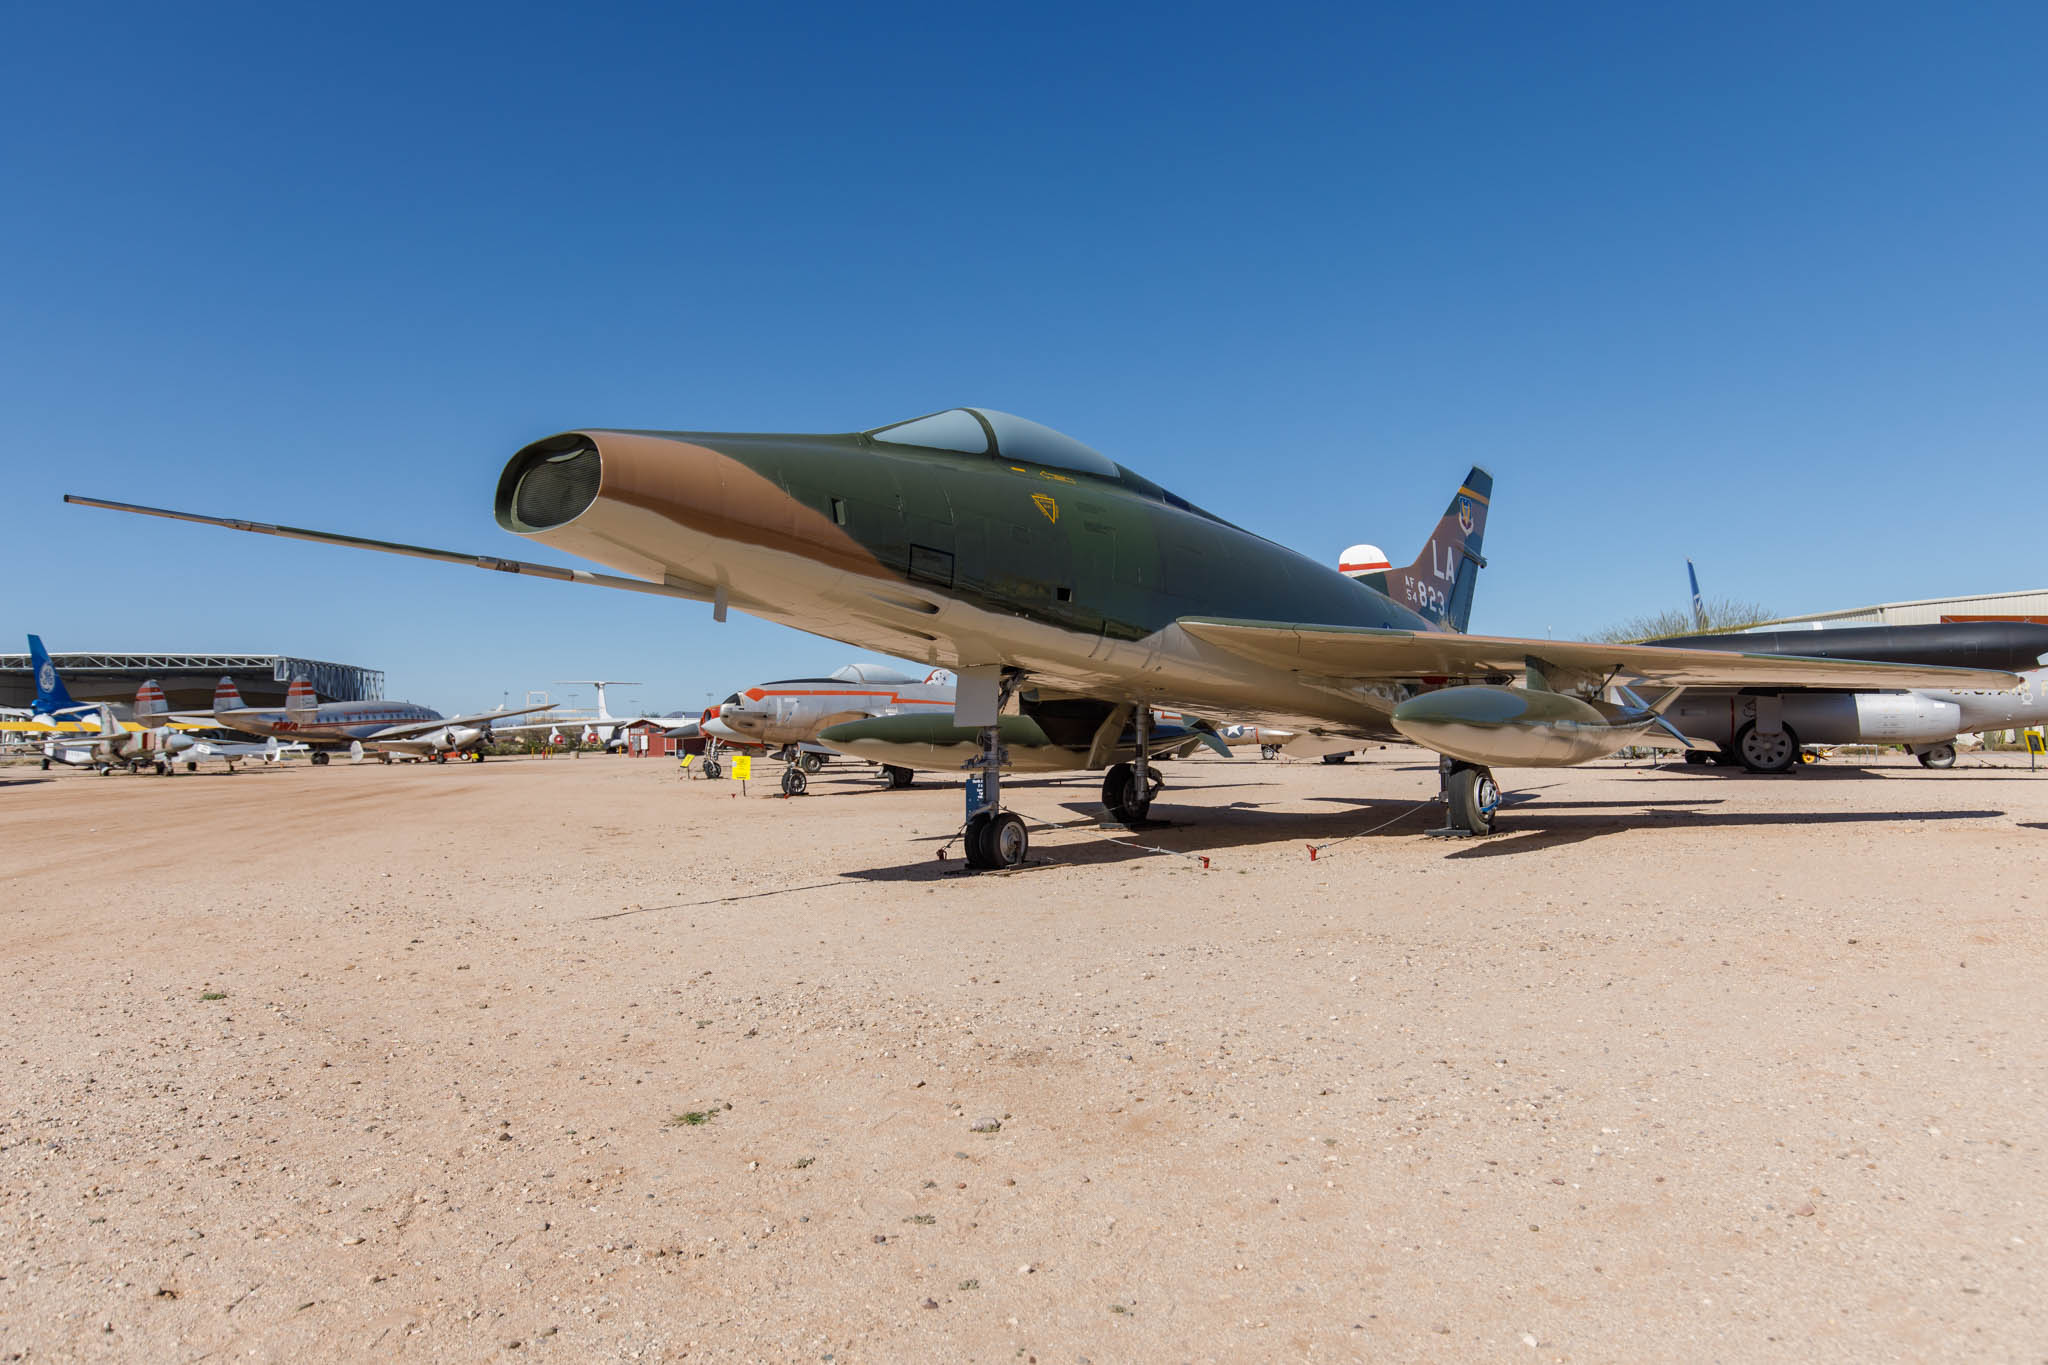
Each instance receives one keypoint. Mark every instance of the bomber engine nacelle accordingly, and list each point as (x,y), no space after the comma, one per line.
(1872,718)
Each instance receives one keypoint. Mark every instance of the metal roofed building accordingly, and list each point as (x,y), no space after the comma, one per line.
(1997,606)
(188,679)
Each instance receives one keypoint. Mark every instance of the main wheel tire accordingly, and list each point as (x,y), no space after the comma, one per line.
(811,763)
(191,767)
(1004,840)
(319,758)
(1940,756)
(1697,758)
(1269,751)
(1337,758)
(163,769)
(1473,799)
(1120,794)
(712,770)
(970,841)
(46,765)
(1767,751)
(385,757)
(793,781)
(896,778)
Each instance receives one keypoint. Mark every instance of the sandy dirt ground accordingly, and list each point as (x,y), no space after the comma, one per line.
(578,1060)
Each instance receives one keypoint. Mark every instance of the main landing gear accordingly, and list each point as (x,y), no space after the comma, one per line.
(1470,798)
(1128,789)
(320,758)
(895,778)
(1938,756)
(794,782)
(1767,751)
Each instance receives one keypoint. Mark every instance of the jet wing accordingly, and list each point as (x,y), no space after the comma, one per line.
(1364,653)
(422,727)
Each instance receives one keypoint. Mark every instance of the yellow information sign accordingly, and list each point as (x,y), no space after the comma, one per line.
(688,759)
(2035,743)
(742,768)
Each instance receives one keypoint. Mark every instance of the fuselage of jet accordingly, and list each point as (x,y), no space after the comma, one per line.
(1033,551)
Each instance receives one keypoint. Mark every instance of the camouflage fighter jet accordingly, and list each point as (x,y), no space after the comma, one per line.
(1047,575)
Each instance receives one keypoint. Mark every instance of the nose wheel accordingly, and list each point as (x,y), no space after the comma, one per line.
(995,838)
(794,782)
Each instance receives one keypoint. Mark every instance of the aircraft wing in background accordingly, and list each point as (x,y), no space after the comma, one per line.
(1358,653)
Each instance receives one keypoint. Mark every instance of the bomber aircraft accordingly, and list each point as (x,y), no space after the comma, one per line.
(1764,730)
(1046,574)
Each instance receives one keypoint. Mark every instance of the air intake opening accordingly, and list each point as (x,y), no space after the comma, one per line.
(549,483)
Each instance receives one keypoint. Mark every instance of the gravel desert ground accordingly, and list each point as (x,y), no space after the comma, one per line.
(579,1060)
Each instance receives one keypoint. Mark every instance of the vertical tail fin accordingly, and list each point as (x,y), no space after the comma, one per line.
(300,696)
(1699,605)
(52,696)
(1440,584)
(226,697)
(150,706)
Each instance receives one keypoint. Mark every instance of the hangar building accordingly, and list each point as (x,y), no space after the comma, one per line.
(1996,606)
(188,679)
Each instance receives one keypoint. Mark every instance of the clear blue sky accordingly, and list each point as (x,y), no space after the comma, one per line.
(1758,284)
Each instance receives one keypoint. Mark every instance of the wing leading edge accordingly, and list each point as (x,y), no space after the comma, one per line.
(1362,652)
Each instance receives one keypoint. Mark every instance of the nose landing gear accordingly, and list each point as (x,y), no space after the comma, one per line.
(995,838)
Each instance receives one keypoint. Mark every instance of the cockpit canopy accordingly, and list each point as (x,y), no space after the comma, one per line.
(984,431)
(1003,436)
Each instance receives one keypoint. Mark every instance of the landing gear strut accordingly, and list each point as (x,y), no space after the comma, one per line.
(1128,789)
(995,838)
(1470,798)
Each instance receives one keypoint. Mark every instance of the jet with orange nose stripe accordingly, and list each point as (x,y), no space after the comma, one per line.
(1063,587)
